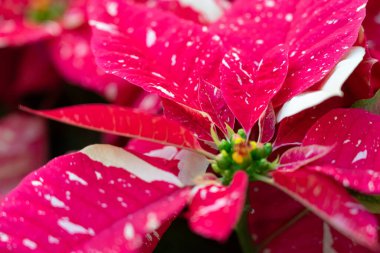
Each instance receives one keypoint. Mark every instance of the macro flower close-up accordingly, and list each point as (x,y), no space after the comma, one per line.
(189,125)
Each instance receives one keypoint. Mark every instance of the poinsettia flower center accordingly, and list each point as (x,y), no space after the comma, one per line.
(44,10)
(238,153)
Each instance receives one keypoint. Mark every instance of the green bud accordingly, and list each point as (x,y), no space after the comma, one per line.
(225,146)
(224,154)
(223,160)
(227,177)
(216,168)
(267,149)
(256,154)
(263,165)
(242,133)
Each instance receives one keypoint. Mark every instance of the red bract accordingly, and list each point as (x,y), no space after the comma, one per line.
(352,162)
(168,73)
(125,122)
(71,198)
(247,93)
(137,45)
(214,208)
(310,30)
(332,203)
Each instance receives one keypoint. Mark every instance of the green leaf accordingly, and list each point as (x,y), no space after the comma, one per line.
(371,104)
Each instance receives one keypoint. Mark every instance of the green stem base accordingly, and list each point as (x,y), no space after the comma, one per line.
(244,235)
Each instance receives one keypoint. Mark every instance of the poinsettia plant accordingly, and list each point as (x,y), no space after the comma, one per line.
(225,82)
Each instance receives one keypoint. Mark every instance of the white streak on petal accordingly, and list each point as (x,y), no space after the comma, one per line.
(101,26)
(36,183)
(129,231)
(4,237)
(332,86)
(111,156)
(76,178)
(150,37)
(53,240)
(73,228)
(210,9)
(112,8)
(165,91)
(218,204)
(361,7)
(167,152)
(152,222)
(360,156)
(29,244)
(55,202)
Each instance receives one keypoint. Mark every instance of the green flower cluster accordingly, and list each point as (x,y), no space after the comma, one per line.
(46,10)
(238,153)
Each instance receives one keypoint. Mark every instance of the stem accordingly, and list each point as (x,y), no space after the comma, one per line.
(243,233)
(283,228)
(265,179)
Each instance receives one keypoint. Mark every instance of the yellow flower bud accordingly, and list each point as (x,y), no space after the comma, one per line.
(238,158)
(238,140)
(253,145)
